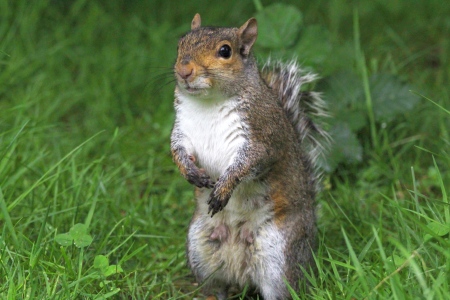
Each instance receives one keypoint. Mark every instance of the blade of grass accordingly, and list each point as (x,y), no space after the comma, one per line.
(360,59)
(356,263)
(435,103)
(80,268)
(90,214)
(444,193)
(37,247)
(121,244)
(8,221)
(258,5)
(416,198)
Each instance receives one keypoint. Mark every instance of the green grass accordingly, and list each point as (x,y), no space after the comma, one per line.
(85,119)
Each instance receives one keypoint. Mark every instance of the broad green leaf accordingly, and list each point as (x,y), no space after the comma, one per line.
(438,228)
(83,240)
(108,295)
(343,90)
(104,283)
(344,149)
(101,262)
(314,46)
(80,236)
(390,97)
(346,143)
(64,239)
(343,93)
(427,237)
(396,260)
(78,230)
(355,120)
(77,234)
(278,25)
(340,58)
(112,269)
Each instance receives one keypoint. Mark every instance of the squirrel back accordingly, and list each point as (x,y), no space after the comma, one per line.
(301,107)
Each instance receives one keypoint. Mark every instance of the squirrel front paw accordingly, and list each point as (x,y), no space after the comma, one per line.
(217,200)
(199,178)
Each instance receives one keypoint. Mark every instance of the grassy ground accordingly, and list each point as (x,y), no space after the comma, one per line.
(85,118)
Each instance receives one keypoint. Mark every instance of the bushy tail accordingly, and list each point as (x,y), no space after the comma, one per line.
(300,106)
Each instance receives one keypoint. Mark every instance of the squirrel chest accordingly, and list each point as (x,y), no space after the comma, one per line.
(213,131)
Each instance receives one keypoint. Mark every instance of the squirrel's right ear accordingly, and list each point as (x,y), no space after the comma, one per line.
(196,22)
(248,33)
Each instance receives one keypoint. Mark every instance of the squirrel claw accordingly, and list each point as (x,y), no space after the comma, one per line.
(214,209)
(215,205)
(200,179)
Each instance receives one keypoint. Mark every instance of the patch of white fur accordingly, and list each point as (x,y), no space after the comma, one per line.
(212,129)
(269,262)
(235,261)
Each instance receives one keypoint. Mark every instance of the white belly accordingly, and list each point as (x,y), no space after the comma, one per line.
(213,131)
(235,261)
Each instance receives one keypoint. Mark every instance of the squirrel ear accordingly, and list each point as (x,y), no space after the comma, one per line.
(196,22)
(248,33)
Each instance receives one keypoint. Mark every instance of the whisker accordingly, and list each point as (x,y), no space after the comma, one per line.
(165,84)
(162,68)
(161,76)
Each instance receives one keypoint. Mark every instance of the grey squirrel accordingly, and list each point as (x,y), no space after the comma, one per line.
(244,138)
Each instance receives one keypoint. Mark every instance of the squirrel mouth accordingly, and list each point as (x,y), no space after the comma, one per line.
(193,90)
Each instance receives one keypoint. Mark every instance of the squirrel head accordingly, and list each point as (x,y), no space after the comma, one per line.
(214,58)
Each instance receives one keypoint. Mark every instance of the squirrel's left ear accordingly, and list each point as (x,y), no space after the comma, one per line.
(248,33)
(196,22)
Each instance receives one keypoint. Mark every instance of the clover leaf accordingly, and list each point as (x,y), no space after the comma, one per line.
(78,235)
(101,262)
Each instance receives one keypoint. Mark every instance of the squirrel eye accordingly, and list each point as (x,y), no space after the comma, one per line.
(225,51)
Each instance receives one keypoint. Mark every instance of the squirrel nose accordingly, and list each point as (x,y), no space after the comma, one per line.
(185,71)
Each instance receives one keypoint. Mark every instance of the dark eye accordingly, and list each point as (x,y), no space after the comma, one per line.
(225,51)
